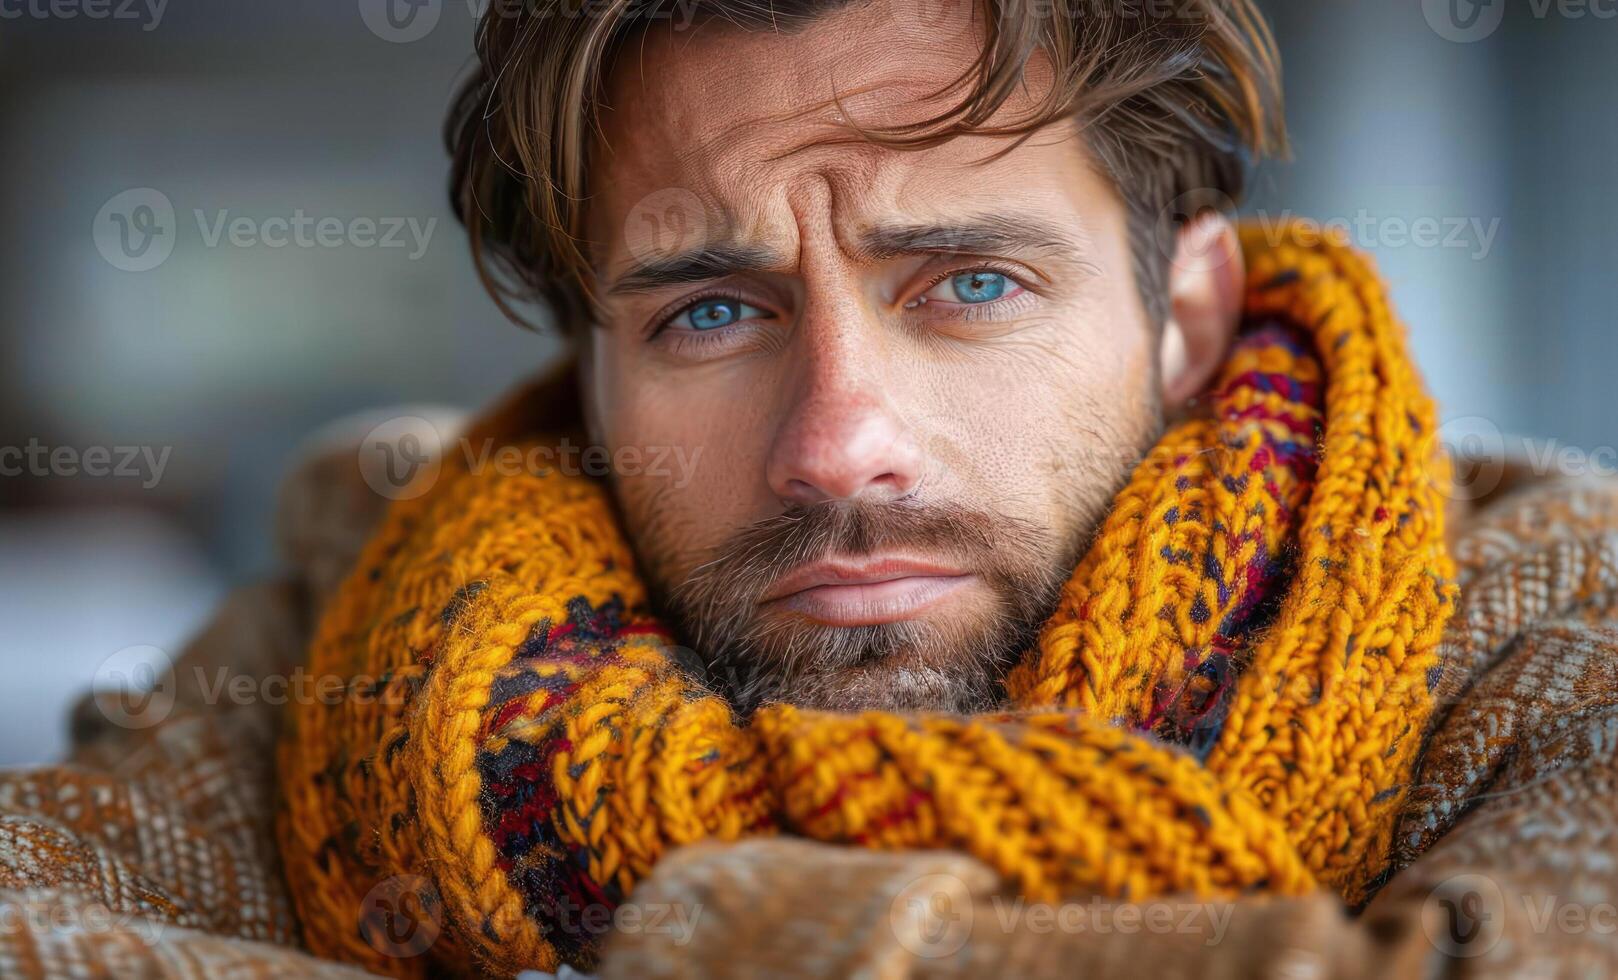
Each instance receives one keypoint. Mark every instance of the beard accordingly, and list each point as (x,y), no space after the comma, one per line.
(752,657)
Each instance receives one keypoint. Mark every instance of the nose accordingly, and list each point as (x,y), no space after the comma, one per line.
(844,437)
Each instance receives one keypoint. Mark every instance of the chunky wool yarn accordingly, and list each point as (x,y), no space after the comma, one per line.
(1228,700)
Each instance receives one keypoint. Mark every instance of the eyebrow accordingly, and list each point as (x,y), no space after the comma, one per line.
(698,265)
(989,234)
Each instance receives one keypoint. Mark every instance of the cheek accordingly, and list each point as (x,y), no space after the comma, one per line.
(1046,431)
(703,463)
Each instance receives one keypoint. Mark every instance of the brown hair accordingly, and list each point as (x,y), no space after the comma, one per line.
(1178,98)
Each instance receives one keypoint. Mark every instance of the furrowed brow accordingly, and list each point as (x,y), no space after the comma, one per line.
(990,235)
(697,265)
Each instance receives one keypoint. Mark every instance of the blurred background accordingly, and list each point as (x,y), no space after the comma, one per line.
(148,335)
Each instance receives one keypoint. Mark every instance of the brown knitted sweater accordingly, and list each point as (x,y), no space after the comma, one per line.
(148,852)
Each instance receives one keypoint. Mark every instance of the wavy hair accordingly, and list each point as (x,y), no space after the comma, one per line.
(1177,100)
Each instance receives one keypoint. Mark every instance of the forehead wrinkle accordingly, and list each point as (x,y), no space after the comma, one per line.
(732,164)
(836,118)
(805,130)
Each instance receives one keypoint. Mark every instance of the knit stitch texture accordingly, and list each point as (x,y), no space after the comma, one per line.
(1228,700)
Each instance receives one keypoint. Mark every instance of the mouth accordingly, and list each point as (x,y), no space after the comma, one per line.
(864,592)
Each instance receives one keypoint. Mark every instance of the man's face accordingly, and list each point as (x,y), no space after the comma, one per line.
(911,380)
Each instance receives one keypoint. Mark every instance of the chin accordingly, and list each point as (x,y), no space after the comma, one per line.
(905,689)
(951,660)
(905,669)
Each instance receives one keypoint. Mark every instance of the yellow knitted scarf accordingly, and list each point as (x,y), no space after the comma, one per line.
(1228,700)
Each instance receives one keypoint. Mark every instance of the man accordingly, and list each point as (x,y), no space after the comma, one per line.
(950,350)
(1049,547)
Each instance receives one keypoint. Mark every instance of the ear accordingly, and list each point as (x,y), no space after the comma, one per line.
(1205,294)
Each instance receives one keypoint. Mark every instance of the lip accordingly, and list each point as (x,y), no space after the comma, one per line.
(867,592)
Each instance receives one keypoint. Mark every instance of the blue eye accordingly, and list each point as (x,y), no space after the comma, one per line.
(979,287)
(711,314)
(972,288)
